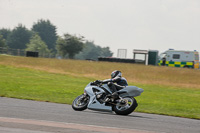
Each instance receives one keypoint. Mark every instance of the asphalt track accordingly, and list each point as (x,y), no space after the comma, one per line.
(25,116)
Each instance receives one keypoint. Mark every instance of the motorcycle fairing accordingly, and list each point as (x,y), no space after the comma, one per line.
(130,91)
(94,104)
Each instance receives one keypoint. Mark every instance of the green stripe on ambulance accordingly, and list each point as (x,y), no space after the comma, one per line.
(176,64)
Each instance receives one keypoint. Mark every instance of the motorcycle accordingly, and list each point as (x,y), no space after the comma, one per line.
(97,96)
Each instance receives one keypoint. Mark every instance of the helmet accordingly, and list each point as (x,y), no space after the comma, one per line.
(115,74)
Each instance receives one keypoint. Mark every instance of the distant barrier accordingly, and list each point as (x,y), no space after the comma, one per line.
(10,51)
(32,54)
(23,52)
(121,60)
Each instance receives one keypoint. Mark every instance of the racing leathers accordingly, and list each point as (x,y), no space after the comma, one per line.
(116,83)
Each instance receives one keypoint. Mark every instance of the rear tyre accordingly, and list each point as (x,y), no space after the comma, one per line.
(80,103)
(129,108)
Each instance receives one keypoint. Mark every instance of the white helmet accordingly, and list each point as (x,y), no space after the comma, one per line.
(115,74)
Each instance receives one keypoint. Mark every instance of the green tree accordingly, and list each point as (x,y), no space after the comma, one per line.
(105,52)
(5,33)
(47,32)
(92,51)
(2,42)
(19,37)
(69,45)
(37,45)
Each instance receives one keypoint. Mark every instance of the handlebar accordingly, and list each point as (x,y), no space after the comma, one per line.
(97,83)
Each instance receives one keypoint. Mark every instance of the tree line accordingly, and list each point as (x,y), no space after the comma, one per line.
(43,38)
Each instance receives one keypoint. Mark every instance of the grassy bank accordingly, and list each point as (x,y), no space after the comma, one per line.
(178,77)
(62,80)
(35,85)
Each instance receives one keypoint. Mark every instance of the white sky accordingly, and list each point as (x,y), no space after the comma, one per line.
(119,24)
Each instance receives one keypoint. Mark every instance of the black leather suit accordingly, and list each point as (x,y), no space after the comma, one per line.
(116,83)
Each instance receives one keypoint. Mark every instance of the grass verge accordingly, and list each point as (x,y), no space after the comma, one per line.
(30,84)
(26,83)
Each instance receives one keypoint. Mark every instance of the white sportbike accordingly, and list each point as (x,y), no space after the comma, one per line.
(97,96)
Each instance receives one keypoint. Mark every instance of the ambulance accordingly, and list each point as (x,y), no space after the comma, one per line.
(179,58)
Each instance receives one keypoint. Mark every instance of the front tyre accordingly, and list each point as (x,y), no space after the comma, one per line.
(128,108)
(80,103)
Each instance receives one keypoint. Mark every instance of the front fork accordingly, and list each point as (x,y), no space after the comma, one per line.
(84,97)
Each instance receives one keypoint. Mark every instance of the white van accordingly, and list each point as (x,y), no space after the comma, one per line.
(178,58)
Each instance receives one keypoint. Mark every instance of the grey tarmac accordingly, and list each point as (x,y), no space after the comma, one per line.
(26,116)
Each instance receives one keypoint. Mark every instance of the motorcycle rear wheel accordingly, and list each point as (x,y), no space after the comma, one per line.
(80,103)
(129,108)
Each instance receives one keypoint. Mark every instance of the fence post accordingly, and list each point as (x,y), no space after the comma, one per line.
(18,52)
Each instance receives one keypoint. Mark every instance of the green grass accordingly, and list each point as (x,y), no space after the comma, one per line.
(27,83)
(168,76)
(182,102)
(30,84)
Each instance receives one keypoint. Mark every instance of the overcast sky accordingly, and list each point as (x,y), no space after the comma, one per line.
(119,24)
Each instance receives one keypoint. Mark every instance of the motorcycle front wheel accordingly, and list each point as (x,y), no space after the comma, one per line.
(128,108)
(80,103)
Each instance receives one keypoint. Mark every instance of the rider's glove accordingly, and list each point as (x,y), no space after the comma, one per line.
(98,81)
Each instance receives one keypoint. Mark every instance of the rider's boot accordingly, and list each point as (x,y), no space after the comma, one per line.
(112,97)
(115,95)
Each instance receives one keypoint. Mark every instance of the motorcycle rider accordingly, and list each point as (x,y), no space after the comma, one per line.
(116,83)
